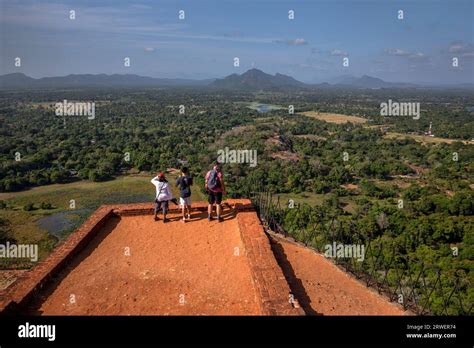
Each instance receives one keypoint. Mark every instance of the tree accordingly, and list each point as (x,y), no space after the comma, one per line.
(462,203)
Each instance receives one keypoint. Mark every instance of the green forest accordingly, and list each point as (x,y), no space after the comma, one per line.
(416,198)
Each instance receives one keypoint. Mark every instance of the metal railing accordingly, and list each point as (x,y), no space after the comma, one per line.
(419,288)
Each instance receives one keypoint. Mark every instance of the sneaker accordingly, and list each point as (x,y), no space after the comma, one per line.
(220,219)
(183,220)
(188,216)
(156,218)
(209,218)
(165,220)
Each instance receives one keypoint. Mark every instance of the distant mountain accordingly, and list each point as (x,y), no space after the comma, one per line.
(343,80)
(15,80)
(255,79)
(252,79)
(466,85)
(19,80)
(366,81)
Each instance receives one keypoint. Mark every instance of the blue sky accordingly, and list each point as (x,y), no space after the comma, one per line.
(311,47)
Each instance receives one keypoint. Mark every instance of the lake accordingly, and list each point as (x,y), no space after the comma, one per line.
(58,224)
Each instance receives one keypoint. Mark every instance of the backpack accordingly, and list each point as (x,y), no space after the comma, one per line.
(213,182)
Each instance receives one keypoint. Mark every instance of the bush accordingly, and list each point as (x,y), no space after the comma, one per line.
(4,231)
(28,207)
(45,205)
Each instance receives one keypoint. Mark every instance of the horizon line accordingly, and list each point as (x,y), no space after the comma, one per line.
(419,84)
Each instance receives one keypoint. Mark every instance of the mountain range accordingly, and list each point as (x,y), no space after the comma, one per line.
(252,79)
(366,81)
(19,80)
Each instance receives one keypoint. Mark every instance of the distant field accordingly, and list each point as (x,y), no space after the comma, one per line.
(341,119)
(424,139)
(92,191)
(334,118)
(310,136)
(60,194)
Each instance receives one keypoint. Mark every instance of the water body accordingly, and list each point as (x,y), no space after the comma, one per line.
(62,223)
(263,108)
(59,224)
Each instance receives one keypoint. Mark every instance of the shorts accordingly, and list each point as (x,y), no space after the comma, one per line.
(184,201)
(214,197)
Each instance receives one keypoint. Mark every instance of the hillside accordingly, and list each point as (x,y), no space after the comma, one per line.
(257,80)
(20,80)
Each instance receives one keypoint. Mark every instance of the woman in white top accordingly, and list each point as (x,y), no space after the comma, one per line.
(163,195)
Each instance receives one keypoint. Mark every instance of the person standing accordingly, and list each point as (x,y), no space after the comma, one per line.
(163,195)
(215,188)
(184,182)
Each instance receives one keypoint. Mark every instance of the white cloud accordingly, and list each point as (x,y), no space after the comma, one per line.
(338,53)
(300,42)
(413,56)
(396,52)
(455,48)
(418,56)
(462,49)
(294,42)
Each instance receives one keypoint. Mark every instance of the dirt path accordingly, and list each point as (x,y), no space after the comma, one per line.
(322,288)
(173,269)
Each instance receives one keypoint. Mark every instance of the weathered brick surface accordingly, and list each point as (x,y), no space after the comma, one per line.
(27,285)
(268,278)
(267,275)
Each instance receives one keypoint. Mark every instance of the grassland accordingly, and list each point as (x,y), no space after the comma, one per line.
(425,139)
(334,118)
(341,119)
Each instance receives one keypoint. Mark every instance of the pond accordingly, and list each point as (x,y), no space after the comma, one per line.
(62,223)
(263,108)
(59,224)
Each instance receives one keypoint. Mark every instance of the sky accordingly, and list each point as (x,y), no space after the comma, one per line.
(311,47)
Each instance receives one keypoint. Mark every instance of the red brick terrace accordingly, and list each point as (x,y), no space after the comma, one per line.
(121,262)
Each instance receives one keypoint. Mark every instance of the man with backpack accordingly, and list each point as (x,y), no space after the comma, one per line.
(184,182)
(215,188)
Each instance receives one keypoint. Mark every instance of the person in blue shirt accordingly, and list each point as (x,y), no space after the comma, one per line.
(184,182)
